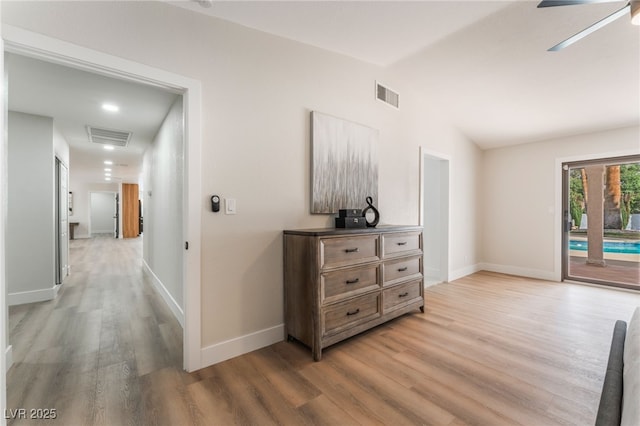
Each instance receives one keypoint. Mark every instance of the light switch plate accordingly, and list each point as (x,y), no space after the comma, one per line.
(230,206)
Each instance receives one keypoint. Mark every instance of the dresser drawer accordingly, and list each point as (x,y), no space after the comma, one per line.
(335,252)
(396,271)
(400,244)
(351,313)
(343,283)
(401,295)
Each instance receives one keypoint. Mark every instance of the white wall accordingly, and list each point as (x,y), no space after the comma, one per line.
(423,124)
(30,219)
(163,178)
(257,92)
(60,146)
(103,209)
(520,199)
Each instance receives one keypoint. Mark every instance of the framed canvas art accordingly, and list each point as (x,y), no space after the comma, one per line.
(344,169)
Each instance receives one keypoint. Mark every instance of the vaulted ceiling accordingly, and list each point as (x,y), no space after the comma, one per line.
(482,62)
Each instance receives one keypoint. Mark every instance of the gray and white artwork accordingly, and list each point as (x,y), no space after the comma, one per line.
(344,168)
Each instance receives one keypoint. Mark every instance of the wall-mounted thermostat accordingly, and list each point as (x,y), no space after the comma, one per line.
(215,203)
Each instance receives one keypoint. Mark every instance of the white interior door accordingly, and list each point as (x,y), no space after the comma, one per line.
(102,207)
(62,213)
(435,218)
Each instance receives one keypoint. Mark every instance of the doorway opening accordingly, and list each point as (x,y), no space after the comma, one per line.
(601,221)
(103,208)
(434,215)
(41,47)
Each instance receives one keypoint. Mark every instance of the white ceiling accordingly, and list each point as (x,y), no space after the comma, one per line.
(483,63)
(379,32)
(74,99)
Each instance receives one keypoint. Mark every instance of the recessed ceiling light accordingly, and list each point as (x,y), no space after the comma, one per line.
(108,147)
(107,174)
(107,178)
(107,169)
(110,107)
(108,162)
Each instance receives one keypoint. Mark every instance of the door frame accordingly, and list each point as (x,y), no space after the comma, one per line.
(566,167)
(59,198)
(446,253)
(27,43)
(558,229)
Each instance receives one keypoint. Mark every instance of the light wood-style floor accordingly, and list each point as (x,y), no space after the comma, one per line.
(490,349)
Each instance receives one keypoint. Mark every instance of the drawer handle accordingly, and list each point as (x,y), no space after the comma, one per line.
(403,269)
(353,312)
(353,281)
(405,294)
(352,250)
(402,243)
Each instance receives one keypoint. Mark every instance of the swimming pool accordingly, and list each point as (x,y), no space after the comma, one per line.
(609,246)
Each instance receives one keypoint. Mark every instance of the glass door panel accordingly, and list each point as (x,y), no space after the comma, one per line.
(601,240)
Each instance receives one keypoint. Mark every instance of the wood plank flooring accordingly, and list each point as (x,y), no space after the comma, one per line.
(617,272)
(490,349)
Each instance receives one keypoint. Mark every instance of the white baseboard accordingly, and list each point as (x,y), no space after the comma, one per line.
(463,272)
(166,296)
(241,345)
(521,272)
(33,296)
(8,357)
(427,271)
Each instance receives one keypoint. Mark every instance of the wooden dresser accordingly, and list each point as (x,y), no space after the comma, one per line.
(340,282)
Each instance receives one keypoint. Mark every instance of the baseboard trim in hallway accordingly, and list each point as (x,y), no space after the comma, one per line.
(175,309)
(33,296)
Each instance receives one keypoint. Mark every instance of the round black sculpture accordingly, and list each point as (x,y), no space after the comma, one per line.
(376,214)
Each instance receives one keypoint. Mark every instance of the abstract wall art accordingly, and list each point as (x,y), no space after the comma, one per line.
(344,169)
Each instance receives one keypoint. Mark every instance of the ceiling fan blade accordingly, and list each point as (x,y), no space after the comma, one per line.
(554,3)
(601,23)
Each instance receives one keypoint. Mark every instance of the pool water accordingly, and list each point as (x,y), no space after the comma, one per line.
(609,246)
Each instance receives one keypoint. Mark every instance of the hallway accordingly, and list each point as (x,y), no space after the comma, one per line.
(93,353)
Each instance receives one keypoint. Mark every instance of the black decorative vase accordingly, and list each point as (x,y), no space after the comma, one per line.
(376,214)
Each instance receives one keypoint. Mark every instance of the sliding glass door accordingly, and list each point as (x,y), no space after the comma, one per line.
(601,221)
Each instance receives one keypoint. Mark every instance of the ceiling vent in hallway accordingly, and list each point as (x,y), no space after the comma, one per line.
(387,95)
(108,136)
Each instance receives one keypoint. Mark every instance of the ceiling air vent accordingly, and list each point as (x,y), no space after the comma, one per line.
(387,95)
(108,136)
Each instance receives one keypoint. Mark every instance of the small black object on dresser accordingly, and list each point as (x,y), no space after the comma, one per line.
(350,218)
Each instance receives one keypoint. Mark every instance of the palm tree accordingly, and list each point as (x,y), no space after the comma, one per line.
(612,198)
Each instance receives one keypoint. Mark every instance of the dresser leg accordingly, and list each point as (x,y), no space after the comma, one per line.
(422,309)
(317,354)
(290,338)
